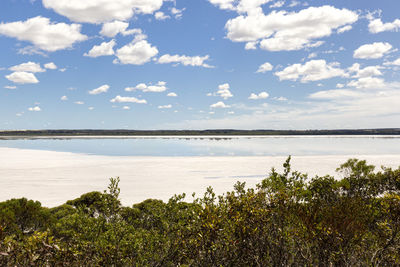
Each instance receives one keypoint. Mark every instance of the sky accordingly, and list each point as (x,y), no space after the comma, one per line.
(199,64)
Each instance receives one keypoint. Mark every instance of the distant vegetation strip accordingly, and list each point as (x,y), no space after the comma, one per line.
(288,219)
(219,132)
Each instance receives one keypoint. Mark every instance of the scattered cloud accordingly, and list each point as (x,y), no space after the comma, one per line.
(277,4)
(136,53)
(395,62)
(126,107)
(334,94)
(178,13)
(98,11)
(28,67)
(282,30)
(172,94)
(372,51)
(36,108)
(262,95)
(376,26)
(344,29)
(104,49)
(313,70)
(195,61)
(223,91)
(265,67)
(102,89)
(157,88)
(111,29)
(22,77)
(367,82)
(159,15)
(11,87)
(281,98)
(126,99)
(64,98)
(219,104)
(50,66)
(44,34)
(79,102)
(165,107)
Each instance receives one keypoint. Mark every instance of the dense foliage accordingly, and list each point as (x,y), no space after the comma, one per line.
(287,220)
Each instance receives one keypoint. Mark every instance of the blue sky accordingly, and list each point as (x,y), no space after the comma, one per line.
(198,64)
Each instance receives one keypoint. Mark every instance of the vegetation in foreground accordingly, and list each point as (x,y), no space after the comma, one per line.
(287,220)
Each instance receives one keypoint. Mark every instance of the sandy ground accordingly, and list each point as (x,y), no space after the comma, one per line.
(54,177)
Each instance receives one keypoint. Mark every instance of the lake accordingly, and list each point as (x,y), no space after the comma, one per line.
(53,170)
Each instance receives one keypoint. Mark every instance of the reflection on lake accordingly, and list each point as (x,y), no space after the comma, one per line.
(215,146)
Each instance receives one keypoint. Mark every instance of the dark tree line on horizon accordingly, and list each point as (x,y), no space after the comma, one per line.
(288,219)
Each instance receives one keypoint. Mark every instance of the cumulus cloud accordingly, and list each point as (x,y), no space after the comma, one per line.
(196,61)
(265,67)
(372,51)
(28,67)
(79,102)
(102,89)
(223,91)
(157,88)
(365,72)
(395,62)
(98,11)
(50,66)
(44,34)
(172,94)
(104,49)
(178,13)
(376,26)
(127,99)
(367,82)
(277,4)
(219,104)
(262,95)
(111,29)
(165,106)
(64,98)
(22,77)
(36,108)
(344,29)
(313,70)
(136,53)
(282,30)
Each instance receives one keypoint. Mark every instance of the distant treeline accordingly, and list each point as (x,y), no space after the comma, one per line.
(121,132)
(288,219)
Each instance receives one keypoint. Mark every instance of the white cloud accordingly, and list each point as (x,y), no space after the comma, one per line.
(79,102)
(223,91)
(277,4)
(36,108)
(250,46)
(376,26)
(111,29)
(50,66)
(165,106)
(178,13)
(157,88)
(223,4)
(196,61)
(262,95)
(159,15)
(44,34)
(372,51)
(396,62)
(367,82)
(22,77)
(136,53)
(104,49)
(102,89)
(219,104)
(172,94)
(126,99)
(344,29)
(28,67)
(313,70)
(365,72)
(281,30)
(334,94)
(339,85)
(11,87)
(64,98)
(265,67)
(126,107)
(281,98)
(98,11)
(90,108)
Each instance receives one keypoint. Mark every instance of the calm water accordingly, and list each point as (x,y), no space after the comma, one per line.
(216,146)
